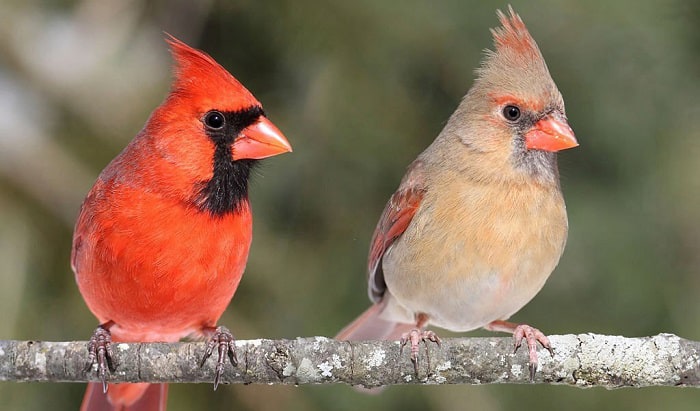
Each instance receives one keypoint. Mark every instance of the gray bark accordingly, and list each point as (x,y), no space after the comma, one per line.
(584,360)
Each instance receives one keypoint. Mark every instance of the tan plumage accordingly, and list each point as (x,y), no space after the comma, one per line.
(478,223)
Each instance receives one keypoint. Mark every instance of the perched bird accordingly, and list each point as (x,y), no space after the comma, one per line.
(163,236)
(478,222)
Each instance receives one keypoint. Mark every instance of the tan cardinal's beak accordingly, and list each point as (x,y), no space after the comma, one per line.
(552,133)
(260,140)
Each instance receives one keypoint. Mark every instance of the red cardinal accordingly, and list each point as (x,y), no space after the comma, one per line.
(162,238)
(478,222)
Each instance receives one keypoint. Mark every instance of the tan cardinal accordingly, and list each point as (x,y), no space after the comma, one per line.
(478,222)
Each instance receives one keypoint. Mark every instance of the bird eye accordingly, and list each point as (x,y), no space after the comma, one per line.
(214,120)
(511,113)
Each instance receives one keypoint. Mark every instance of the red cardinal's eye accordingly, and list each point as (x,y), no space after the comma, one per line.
(214,120)
(511,113)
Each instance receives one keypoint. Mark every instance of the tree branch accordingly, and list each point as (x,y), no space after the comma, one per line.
(584,360)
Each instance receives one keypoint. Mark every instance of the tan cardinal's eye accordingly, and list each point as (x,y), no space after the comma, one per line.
(511,113)
(214,120)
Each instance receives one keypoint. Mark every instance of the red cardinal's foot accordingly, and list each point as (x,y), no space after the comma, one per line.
(532,336)
(222,338)
(100,352)
(415,337)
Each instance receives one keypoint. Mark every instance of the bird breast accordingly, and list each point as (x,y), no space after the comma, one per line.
(157,268)
(475,252)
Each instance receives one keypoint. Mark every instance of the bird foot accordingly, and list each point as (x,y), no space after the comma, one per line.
(221,337)
(532,336)
(415,337)
(100,352)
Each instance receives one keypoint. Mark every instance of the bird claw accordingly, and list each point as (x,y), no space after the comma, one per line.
(532,336)
(100,352)
(222,338)
(415,337)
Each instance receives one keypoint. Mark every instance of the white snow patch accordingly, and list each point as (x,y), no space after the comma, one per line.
(326,369)
(318,341)
(123,347)
(376,358)
(2,352)
(444,366)
(336,362)
(667,344)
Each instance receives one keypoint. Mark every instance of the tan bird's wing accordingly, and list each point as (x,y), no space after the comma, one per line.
(396,217)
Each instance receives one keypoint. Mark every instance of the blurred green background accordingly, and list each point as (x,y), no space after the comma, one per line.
(359,88)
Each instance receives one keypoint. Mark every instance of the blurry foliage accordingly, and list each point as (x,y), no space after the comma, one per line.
(359,88)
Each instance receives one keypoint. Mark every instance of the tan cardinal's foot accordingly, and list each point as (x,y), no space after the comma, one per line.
(532,336)
(100,352)
(221,337)
(415,337)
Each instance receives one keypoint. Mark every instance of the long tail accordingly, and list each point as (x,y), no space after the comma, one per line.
(369,326)
(125,397)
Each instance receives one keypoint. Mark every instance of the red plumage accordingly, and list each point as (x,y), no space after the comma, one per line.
(163,236)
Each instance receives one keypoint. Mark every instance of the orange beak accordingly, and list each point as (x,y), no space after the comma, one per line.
(552,133)
(260,140)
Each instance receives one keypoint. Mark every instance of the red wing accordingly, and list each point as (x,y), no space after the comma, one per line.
(397,215)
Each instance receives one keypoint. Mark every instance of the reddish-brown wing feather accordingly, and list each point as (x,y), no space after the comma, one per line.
(396,217)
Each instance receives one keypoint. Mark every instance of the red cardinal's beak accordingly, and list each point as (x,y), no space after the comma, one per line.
(260,140)
(552,133)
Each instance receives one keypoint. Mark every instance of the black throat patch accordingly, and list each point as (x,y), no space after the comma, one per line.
(227,190)
(539,164)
